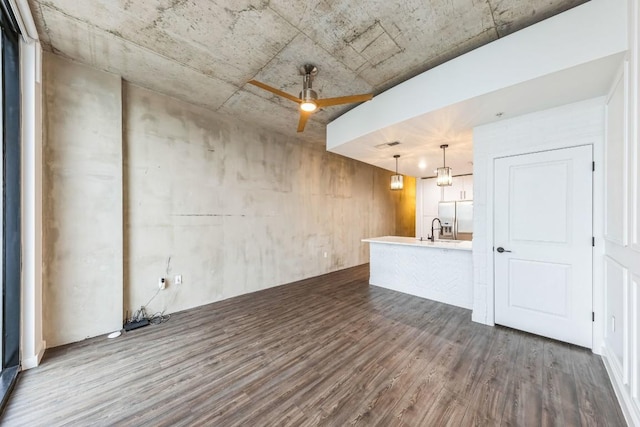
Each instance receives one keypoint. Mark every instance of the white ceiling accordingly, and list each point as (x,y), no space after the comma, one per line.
(205,51)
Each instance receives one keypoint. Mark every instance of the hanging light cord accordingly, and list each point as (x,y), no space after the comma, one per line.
(444,155)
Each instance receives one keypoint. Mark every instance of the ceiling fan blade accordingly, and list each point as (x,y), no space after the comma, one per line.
(274,90)
(304,116)
(328,102)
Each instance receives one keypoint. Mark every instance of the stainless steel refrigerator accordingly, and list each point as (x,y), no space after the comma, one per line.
(456,219)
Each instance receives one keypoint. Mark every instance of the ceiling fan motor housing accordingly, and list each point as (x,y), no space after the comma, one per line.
(308,95)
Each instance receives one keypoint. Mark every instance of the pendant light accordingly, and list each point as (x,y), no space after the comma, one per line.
(444,173)
(396,180)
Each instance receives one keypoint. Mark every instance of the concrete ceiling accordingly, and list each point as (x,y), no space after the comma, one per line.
(205,51)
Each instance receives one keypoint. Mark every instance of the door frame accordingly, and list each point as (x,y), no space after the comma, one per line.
(597,226)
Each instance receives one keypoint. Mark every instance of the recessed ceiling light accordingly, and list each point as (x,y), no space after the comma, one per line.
(422,164)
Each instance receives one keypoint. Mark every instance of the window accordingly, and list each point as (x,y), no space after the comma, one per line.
(10,249)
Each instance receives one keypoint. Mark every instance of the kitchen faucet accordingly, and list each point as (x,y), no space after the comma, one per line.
(433,236)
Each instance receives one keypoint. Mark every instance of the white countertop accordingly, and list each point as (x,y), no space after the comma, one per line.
(462,245)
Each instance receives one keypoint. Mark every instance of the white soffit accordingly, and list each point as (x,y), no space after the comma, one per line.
(564,59)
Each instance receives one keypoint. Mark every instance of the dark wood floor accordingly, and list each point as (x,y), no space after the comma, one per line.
(325,351)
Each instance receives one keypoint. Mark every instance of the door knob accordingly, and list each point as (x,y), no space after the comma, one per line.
(501,249)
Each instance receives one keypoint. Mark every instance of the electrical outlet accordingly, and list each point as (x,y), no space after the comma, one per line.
(178,279)
(325,254)
(162,283)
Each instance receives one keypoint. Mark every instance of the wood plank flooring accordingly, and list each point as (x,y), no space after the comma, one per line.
(324,351)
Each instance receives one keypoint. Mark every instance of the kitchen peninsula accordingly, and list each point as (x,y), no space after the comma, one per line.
(440,271)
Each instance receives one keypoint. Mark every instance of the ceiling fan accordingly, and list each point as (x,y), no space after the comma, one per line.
(308,98)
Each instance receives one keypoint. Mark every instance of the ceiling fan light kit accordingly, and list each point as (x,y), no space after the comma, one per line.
(308,106)
(444,177)
(308,98)
(397,179)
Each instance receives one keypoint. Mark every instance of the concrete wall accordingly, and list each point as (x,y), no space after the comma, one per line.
(234,209)
(230,207)
(82,228)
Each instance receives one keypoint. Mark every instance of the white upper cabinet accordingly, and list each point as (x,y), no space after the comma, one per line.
(431,196)
(428,195)
(453,191)
(467,189)
(461,189)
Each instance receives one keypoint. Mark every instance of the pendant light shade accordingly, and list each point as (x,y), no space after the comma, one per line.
(444,178)
(396,182)
(397,179)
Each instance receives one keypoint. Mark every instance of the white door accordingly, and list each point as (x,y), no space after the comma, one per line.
(543,243)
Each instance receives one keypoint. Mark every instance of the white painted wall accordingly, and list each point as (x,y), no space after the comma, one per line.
(585,33)
(83,249)
(570,125)
(621,346)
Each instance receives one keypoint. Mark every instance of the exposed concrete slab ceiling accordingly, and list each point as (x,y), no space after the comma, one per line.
(204,51)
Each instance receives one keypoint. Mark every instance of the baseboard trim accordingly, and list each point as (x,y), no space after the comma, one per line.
(480,319)
(631,413)
(34,361)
